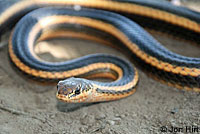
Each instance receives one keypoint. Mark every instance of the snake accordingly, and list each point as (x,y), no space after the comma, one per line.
(117,23)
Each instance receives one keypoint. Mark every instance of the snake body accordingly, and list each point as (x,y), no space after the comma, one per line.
(98,20)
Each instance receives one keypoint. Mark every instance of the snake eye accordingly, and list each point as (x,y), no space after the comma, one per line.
(77,91)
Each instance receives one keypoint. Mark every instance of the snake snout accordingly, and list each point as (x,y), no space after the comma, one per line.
(65,87)
(74,90)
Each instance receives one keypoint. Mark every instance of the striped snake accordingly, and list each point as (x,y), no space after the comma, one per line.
(110,22)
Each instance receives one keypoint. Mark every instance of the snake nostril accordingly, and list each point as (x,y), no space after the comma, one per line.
(60,91)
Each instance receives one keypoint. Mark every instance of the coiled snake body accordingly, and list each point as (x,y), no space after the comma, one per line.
(100,20)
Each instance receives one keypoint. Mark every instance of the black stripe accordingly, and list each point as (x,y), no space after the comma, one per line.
(108,91)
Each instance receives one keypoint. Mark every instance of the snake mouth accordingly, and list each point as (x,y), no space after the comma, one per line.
(67,98)
(61,97)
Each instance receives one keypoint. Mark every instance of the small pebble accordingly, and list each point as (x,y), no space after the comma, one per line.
(110,122)
(106,131)
(126,114)
(68,121)
(52,116)
(117,115)
(195,124)
(116,119)
(122,116)
(172,122)
(87,120)
(64,132)
(3,44)
(83,115)
(95,129)
(100,116)
(82,129)
(47,100)
(173,111)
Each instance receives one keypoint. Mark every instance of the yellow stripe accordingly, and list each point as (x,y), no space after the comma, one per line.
(60,75)
(47,21)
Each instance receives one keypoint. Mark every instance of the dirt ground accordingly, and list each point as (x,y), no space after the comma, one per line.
(26,107)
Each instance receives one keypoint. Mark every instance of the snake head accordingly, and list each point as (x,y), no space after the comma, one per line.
(74,90)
